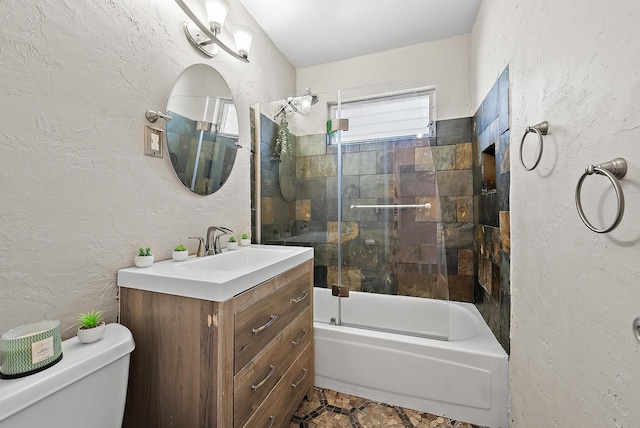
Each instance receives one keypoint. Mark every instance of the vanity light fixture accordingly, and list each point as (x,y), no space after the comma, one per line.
(206,38)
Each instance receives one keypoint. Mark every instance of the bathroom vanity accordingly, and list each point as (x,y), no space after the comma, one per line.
(234,352)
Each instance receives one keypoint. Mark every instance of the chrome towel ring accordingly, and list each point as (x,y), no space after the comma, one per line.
(613,170)
(541,129)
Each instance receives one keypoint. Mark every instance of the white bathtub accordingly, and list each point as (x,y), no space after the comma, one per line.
(465,378)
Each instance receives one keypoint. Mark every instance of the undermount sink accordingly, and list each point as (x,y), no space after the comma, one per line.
(217,277)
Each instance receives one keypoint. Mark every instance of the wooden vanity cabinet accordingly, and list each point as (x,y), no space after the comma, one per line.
(245,362)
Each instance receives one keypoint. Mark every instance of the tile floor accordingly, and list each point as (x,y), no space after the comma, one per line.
(331,409)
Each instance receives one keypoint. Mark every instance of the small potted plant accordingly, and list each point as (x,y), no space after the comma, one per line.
(91,327)
(276,234)
(180,253)
(245,241)
(144,257)
(232,244)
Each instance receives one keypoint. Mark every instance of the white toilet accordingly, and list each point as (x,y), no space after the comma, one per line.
(87,388)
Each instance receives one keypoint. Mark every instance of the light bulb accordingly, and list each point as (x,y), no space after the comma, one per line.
(217,11)
(305,104)
(243,37)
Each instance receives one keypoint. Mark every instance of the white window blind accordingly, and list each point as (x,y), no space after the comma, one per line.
(384,118)
(227,117)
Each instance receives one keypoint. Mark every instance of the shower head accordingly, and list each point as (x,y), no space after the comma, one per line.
(301,104)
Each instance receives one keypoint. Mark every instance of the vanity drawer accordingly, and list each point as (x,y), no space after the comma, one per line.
(257,325)
(279,406)
(254,382)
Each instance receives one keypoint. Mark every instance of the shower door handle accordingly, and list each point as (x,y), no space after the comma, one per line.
(339,291)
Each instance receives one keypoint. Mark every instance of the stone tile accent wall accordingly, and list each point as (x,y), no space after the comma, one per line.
(492,290)
(384,251)
(277,214)
(471,217)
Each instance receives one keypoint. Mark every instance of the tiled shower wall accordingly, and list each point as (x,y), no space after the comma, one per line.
(384,251)
(471,163)
(491,176)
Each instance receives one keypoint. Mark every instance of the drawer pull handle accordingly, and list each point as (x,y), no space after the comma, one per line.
(262,382)
(304,373)
(272,419)
(301,298)
(259,329)
(299,339)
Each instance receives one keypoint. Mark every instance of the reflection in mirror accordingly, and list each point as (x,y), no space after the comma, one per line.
(203,133)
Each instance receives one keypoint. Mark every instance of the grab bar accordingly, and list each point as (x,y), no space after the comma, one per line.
(613,170)
(392,206)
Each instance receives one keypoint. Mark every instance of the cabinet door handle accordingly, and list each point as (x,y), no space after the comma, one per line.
(295,384)
(272,419)
(262,382)
(299,339)
(259,329)
(301,298)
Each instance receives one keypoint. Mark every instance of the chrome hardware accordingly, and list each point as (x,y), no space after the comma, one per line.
(272,419)
(299,339)
(636,328)
(259,329)
(339,291)
(201,251)
(613,170)
(201,36)
(304,374)
(213,245)
(392,206)
(263,381)
(541,129)
(153,116)
(339,125)
(301,298)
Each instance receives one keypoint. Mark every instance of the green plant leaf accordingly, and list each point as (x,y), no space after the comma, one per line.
(90,319)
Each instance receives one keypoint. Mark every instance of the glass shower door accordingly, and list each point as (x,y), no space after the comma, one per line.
(389,222)
(355,196)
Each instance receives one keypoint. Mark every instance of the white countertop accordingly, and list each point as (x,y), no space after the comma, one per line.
(217,277)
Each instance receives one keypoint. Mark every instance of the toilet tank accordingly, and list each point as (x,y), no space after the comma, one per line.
(87,388)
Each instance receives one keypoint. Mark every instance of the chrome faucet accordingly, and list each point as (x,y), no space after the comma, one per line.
(213,245)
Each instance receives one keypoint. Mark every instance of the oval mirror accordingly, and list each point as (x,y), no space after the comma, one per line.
(202,135)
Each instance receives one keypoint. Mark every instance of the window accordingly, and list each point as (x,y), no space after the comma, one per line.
(226,116)
(387,117)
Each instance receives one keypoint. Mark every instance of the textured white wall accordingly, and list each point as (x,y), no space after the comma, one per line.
(77,193)
(574,362)
(445,64)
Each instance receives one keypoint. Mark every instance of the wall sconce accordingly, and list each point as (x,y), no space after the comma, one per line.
(205,38)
